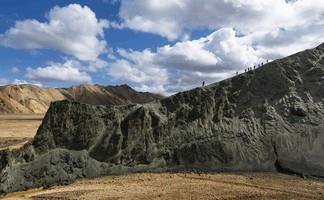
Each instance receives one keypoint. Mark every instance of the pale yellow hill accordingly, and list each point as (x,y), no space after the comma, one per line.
(33,99)
(27,98)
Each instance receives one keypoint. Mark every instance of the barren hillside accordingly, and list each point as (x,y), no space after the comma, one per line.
(33,99)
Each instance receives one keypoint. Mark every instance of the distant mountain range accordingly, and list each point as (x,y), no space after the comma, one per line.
(34,99)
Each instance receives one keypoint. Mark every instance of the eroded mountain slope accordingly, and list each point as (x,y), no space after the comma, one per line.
(269,119)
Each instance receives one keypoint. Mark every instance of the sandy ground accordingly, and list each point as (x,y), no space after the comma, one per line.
(15,130)
(187,186)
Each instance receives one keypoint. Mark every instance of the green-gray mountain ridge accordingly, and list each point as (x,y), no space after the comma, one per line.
(269,119)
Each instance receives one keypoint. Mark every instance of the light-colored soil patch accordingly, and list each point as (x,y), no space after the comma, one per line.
(15,130)
(147,186)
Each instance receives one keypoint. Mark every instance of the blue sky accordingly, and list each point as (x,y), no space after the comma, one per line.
(159,46)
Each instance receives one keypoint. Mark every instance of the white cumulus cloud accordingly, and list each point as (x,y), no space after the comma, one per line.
(73,30)
(24,82)
(173,18)
(139,68)
(3,81)
(68,71)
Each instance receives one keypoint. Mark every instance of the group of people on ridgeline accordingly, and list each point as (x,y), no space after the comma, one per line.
(245,70)
(252,68)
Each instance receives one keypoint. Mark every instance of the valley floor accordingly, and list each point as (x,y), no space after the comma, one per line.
(183,186)
(15,130)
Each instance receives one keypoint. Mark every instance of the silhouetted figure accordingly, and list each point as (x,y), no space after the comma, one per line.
(267,60)
(262,64)
(254,67)
(244,70)
(203,83)
(236,73)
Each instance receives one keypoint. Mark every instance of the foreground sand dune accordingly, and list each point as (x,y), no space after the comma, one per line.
(183,186)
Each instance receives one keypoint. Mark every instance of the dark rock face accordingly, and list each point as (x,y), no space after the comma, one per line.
(267,120)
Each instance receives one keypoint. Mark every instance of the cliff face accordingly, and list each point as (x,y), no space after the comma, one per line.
(269,119)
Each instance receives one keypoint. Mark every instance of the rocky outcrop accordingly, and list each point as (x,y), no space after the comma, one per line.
(269,119)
